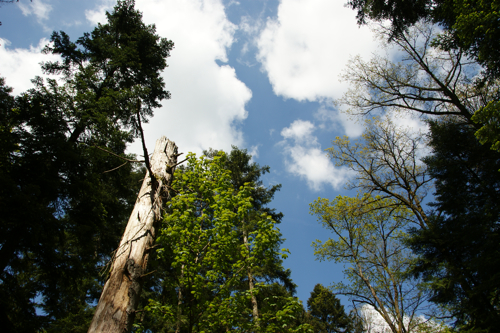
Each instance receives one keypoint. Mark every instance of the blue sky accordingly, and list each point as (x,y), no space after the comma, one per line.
(258,74)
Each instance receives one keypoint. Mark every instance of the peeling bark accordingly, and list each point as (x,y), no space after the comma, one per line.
(117,306)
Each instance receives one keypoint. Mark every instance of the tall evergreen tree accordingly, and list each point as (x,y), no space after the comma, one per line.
(62,210)
(459,254)
(238,161)
(327,315)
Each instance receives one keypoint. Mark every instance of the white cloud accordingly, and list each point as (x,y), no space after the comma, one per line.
(411,121)
(208,101)
(306,47)
(331,119)
(254,152)
(305,158)
(98,15)
(300,131)
(39,8)
(20,66)
(374,322)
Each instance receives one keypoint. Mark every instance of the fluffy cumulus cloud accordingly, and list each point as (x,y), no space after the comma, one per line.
(305,158)
(304,49)
(20,66)
(208,100)
(374,322)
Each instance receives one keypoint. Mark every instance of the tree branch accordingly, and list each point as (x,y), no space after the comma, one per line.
(145,150)
(116,155)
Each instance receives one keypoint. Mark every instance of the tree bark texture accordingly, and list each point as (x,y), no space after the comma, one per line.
(115,311)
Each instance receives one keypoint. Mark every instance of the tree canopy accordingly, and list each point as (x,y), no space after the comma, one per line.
(62,211)
(428,81)
(459,250)
(386,162)
(446,78)
(205,256)
(327,315)
(470,25)
(368,238)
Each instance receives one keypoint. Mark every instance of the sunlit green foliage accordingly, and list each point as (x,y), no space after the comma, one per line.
(368,238)
(386,161)
(201,241)
(489,117)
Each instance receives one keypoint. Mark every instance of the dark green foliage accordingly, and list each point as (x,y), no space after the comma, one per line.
(472,25)
(327,315)
(62,212)
(127,57)
(401,13)
(459,252)
(242,171)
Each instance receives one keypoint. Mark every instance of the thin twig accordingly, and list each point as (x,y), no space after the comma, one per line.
(184,160)
(171,188)
(152,247)
(123,158)
(118,167)
(147,274)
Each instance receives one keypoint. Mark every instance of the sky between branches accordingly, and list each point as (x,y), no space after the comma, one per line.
(256,74)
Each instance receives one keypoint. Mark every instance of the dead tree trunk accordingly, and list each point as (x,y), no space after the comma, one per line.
(115,311)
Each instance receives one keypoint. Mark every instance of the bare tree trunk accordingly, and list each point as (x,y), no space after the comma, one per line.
(255,307)
(115,311)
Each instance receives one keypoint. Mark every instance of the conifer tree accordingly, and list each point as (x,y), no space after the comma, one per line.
(458,252)
(67,191)
(327,315)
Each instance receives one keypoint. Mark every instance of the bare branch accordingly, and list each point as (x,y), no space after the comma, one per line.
(428,81)
(118,167)
(116,155)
